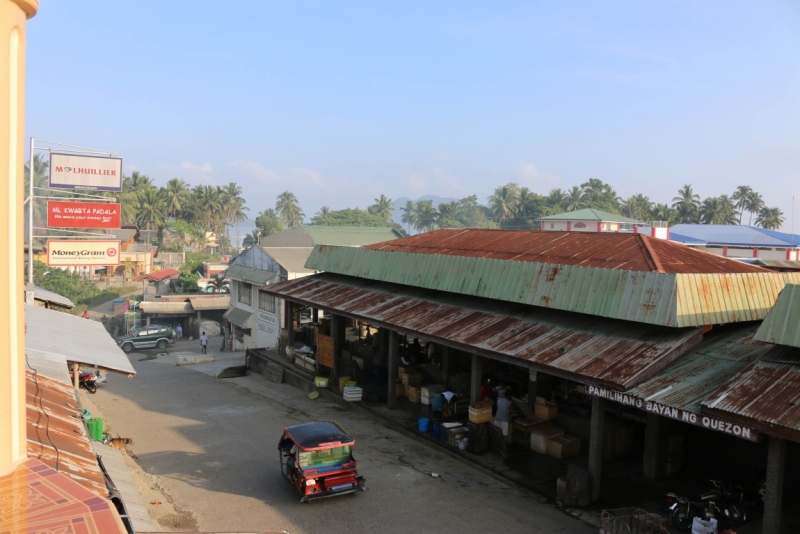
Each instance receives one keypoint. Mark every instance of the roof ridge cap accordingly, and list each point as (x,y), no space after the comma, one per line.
(652,255)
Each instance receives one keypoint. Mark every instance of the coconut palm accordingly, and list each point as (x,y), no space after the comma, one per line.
(575,199)
(176,196)
(288,209)
(662,212)
(207,206)
(754,204)
(409,215)
(323,211)
(233,206)
(218,284)
(741,195)
(503,202)
(152,209)
(426,215)
(251,239)
(383,207)
(770,218)
(556,198)
(686,205)
(637,206)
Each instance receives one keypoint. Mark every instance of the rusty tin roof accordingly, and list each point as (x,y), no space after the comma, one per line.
(581,347)
(782,324)
(626,276)
(57,434)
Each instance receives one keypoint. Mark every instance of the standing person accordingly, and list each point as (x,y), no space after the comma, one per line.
(503,409)
(224,338)
(179,331)
(85,314)
(204,342)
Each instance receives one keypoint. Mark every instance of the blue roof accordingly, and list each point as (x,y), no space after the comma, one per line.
(731,235)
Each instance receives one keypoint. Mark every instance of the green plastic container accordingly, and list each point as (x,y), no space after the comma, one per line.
(96,429)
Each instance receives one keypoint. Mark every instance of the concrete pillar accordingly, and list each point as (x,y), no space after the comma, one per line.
(475,379)
(290,321)
(147,321)
(315,315)
(76,371)
(445,366)
(656,444)
(596,444)
(532,389)
(383,345)
(773,498)
(198,323)
(338,334)
(392,363)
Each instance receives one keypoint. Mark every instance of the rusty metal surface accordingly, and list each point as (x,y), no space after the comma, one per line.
(782,324)
(585,249)
(688,381)
(56,432)
(616,353)
(767,392)
(667,299)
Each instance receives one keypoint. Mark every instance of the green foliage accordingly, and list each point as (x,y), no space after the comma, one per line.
(188,281)
(268,223)
(194,261)
(350,217)
(83,293)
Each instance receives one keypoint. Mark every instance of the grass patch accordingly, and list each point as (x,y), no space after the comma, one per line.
(101,298)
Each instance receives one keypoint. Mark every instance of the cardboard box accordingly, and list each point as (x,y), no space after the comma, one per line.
(541,400)
(412,393)
(321,381)
(401,390)
(540,436)
(564,447)
(546,411)
(480,414)
(429,393)
(406,370)
(412,379)
(523,426)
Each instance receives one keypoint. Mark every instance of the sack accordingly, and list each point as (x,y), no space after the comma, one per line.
(701,526)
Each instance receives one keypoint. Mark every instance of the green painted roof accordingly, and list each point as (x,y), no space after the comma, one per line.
(589,214)
(668,299)
(350,236)
(782,324)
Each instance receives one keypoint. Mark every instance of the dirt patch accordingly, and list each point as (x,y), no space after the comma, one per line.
(182,521)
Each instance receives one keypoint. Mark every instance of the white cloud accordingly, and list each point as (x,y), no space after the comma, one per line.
(252,169)
(530,176)
(203,168)
(188,171)
(301,173)
(418,183)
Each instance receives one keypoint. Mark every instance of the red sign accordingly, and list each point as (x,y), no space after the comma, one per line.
(82,214)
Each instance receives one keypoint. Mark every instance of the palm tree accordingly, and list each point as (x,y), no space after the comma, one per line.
(741,195)
(754,205)
(448,212)
(251,239)
(686,204)
(503,202)
(770,218)
(152,209)
(637,207)
(218,284)
(207,205)
(176,196)
(575,199)
(556,198)
(323,211)
(288,209)
(233,206)
(409,215)
(662,212)
(383,207)
(426,215)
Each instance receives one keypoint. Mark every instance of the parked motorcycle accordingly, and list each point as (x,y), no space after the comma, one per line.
(88,380)
(725,503)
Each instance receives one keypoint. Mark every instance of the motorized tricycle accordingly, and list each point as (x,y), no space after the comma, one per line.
(317,459)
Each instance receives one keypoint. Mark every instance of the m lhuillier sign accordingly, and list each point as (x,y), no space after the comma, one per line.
(68,171)
(692,418)
(74,253)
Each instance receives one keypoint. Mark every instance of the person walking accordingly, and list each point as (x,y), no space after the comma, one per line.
(501,418)
(179,331)
(85,314)
(224,339)
(204,342)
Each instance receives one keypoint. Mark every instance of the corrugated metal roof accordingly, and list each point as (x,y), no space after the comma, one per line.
(617,353)
(735,235)
(158,276)
(44,295)
(79,340)
(777,264)
(766,393)
(589,214)
(151,306)
(120,476)
(56,432)
(219,302)
(238,316)
(782,324)
(667,299)
(350,236)
(250,274)
(688,381)
(50,364)
(293,259)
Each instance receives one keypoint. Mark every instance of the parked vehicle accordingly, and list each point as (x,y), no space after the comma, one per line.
(317,459)
(726,503)
(87,380)
(147,337)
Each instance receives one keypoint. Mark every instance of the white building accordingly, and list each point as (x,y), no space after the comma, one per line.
(592,220)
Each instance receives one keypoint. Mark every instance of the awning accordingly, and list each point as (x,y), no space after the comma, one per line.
(49,296)
(620,354)
(238,316)
(220,302)
(166,308)
(77,339)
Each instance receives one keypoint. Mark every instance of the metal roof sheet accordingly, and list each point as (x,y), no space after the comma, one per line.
(79,340)
(238,316)
(171,308)
(589,214)
(617,353)
(293,259)
(56,432)
(158,276)
(782,324)
(667,299)
(735,235)
(219,302)
(50,364)
(777,264)
(45,295)
(350,236)
(114,464)
(766,393)
(251,274)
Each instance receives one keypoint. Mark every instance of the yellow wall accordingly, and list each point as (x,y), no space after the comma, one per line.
(13,15)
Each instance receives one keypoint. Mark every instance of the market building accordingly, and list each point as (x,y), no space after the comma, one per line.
(617,339)
(739,241)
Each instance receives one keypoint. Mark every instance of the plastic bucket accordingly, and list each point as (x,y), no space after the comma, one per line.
(343,382)
(423,424)
(437,430)
(96,429)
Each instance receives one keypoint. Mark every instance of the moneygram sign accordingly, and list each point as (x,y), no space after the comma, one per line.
(81,252)
(82,214)
(68,171)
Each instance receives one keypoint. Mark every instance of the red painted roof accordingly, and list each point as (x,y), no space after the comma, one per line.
(631,252)
(158,276)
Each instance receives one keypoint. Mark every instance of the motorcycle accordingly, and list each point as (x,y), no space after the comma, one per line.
(88,380)
(725,503)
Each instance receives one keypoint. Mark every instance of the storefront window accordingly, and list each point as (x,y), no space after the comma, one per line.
(245,293)
(266,302)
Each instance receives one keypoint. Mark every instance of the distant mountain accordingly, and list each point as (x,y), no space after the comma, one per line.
(400,202)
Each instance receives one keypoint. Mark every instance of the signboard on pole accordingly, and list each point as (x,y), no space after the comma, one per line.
(79,252)
(82,214)
(325,350)
(68,171)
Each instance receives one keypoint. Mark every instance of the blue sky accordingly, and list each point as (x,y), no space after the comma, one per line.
(340,102)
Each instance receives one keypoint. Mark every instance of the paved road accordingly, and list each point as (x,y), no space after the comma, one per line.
(211,444)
